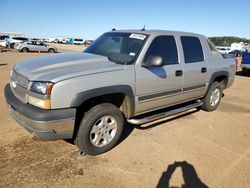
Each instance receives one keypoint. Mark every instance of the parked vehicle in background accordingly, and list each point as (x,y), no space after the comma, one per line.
(4,40)
(31,46)
(87,42)
(63,40)
(15,40)
(129,75)
(56,41)
(238,46)
(245,64)
(232,54)
(50,40)
(77,41)
(224,50)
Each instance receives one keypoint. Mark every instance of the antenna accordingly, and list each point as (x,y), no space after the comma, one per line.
(143,29)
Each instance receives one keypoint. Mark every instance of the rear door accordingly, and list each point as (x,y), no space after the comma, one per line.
(41,46)
(195,67)
(158,87)
(31,45)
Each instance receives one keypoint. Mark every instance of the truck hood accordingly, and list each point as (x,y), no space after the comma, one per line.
(59,67)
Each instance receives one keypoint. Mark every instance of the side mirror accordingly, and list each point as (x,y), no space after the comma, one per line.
(153,61)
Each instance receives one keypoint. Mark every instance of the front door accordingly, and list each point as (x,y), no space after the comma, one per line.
(158,87)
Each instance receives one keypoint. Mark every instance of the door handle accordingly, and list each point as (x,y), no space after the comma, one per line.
(178,73)
(203,69)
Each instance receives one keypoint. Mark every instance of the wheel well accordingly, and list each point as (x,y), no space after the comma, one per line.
(222,79)
(118,99)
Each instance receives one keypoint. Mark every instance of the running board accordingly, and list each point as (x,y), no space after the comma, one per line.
(165,114)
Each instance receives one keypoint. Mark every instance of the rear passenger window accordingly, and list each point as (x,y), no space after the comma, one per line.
(165,47)
(192,49)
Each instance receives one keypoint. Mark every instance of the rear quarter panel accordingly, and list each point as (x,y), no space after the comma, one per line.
(216,63)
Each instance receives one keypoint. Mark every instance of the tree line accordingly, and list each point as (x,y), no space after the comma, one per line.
(227,40)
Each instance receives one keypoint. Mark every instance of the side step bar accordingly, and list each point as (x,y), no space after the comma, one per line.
(165,114)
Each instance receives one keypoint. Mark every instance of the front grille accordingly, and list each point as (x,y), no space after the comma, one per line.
(19,79)
(19,85)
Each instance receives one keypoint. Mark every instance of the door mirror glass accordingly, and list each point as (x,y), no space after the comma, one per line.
(153,61)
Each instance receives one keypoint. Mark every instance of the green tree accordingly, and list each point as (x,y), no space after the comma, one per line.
(227,40)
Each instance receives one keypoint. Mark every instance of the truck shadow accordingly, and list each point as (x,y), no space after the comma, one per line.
(189,174)
(240,73)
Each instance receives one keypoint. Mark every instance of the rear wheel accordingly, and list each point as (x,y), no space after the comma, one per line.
(51,50)
(213,97)
(25,50)
(100,129)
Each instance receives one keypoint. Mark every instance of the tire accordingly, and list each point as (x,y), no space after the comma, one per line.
(103,120)
(12,45)
(51,50)
(213,97)
(25,50)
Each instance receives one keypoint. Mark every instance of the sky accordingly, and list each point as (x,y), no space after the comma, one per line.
(90,18)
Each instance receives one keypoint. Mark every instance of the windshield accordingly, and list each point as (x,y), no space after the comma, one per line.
(118,47)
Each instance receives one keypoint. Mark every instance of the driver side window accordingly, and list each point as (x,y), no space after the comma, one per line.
(165,47)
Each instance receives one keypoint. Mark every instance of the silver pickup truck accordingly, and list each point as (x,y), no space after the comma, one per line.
(133,75)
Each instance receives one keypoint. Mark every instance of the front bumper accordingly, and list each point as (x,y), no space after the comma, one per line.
(44,124)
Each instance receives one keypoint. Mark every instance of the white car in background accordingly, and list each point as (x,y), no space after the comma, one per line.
(224,50)
(4,40)
(16,40)
(34,45)
(50,40)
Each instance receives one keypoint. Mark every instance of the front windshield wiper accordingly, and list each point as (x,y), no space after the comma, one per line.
(115,61)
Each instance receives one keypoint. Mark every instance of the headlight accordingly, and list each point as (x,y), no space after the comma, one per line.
(41,87)
(40,94)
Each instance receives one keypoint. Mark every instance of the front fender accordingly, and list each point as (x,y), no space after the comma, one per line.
(81,97)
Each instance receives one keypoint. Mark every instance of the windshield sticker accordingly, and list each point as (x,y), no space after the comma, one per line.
(137,36)
(132,54)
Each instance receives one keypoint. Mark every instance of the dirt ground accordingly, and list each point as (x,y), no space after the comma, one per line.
(197,149)
(68,47)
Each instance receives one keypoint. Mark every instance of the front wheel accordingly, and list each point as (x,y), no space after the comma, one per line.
(100,129)
(25,50)
(213,97)
(51,50)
